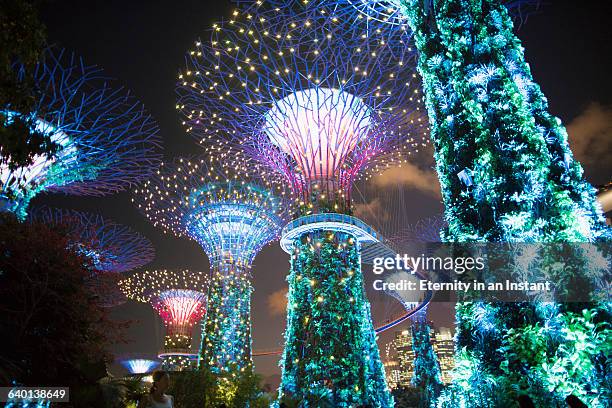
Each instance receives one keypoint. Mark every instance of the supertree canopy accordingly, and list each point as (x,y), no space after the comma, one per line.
(313,98)
(104,138)
(232,207)
(179,297)
(139,365)
(112,248)
(318,101)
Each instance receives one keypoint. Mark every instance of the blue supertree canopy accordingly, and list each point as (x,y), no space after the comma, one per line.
(111,247)
(426,230)
(313,97)
(226,203)
(139,365)
(107,141)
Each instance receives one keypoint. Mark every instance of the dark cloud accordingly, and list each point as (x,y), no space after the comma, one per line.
(411,176)
(590,136)
(277,302)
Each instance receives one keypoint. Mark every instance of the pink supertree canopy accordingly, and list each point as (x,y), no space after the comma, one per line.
(178,296)
(315,98)
(180,309)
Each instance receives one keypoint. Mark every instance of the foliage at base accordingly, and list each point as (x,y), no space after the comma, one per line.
(204,389)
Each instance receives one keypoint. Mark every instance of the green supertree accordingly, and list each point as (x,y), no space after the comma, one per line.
(505,166)
(327,308)
(427,376)
(507,174)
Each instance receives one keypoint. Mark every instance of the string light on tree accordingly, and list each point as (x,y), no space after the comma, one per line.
(314,105)
(104,139)
(232,207)
(179,298)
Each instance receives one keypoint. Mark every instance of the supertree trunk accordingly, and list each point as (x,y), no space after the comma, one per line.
(226,334)
(501,156)
(331,357)
(507,174)
(427,376)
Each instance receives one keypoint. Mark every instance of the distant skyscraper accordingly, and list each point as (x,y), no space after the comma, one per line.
(392,371)
(399,362)
(445,348)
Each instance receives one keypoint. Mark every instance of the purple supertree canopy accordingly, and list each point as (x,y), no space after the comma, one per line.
(227,203)
(107,141)
(313,97)
(112,247)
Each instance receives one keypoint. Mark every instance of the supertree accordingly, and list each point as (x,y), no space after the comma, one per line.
(179,297)
(139,365)
(104,140)
(232,207)
(112,248)
(427,376)
(317,100)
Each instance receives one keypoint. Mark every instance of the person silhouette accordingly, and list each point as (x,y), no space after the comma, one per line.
(157,397)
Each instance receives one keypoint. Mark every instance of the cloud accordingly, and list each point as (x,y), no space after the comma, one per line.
(411,176)
(590,135)
(372,210)
(277,302)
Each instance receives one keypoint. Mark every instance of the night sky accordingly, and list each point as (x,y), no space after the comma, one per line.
(142,44)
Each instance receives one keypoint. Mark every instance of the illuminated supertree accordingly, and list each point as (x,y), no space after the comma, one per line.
(232,208)
(112,248)
(139,365)
(318,101)
(105,140)
(427,376)
(179,297)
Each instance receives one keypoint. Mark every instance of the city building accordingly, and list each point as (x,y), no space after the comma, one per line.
(399,353)
(444,348)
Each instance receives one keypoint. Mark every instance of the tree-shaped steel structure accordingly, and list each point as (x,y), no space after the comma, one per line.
(314,99)
(319,101)
(107,141)
(112,248)
(179,298)
(232,208)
